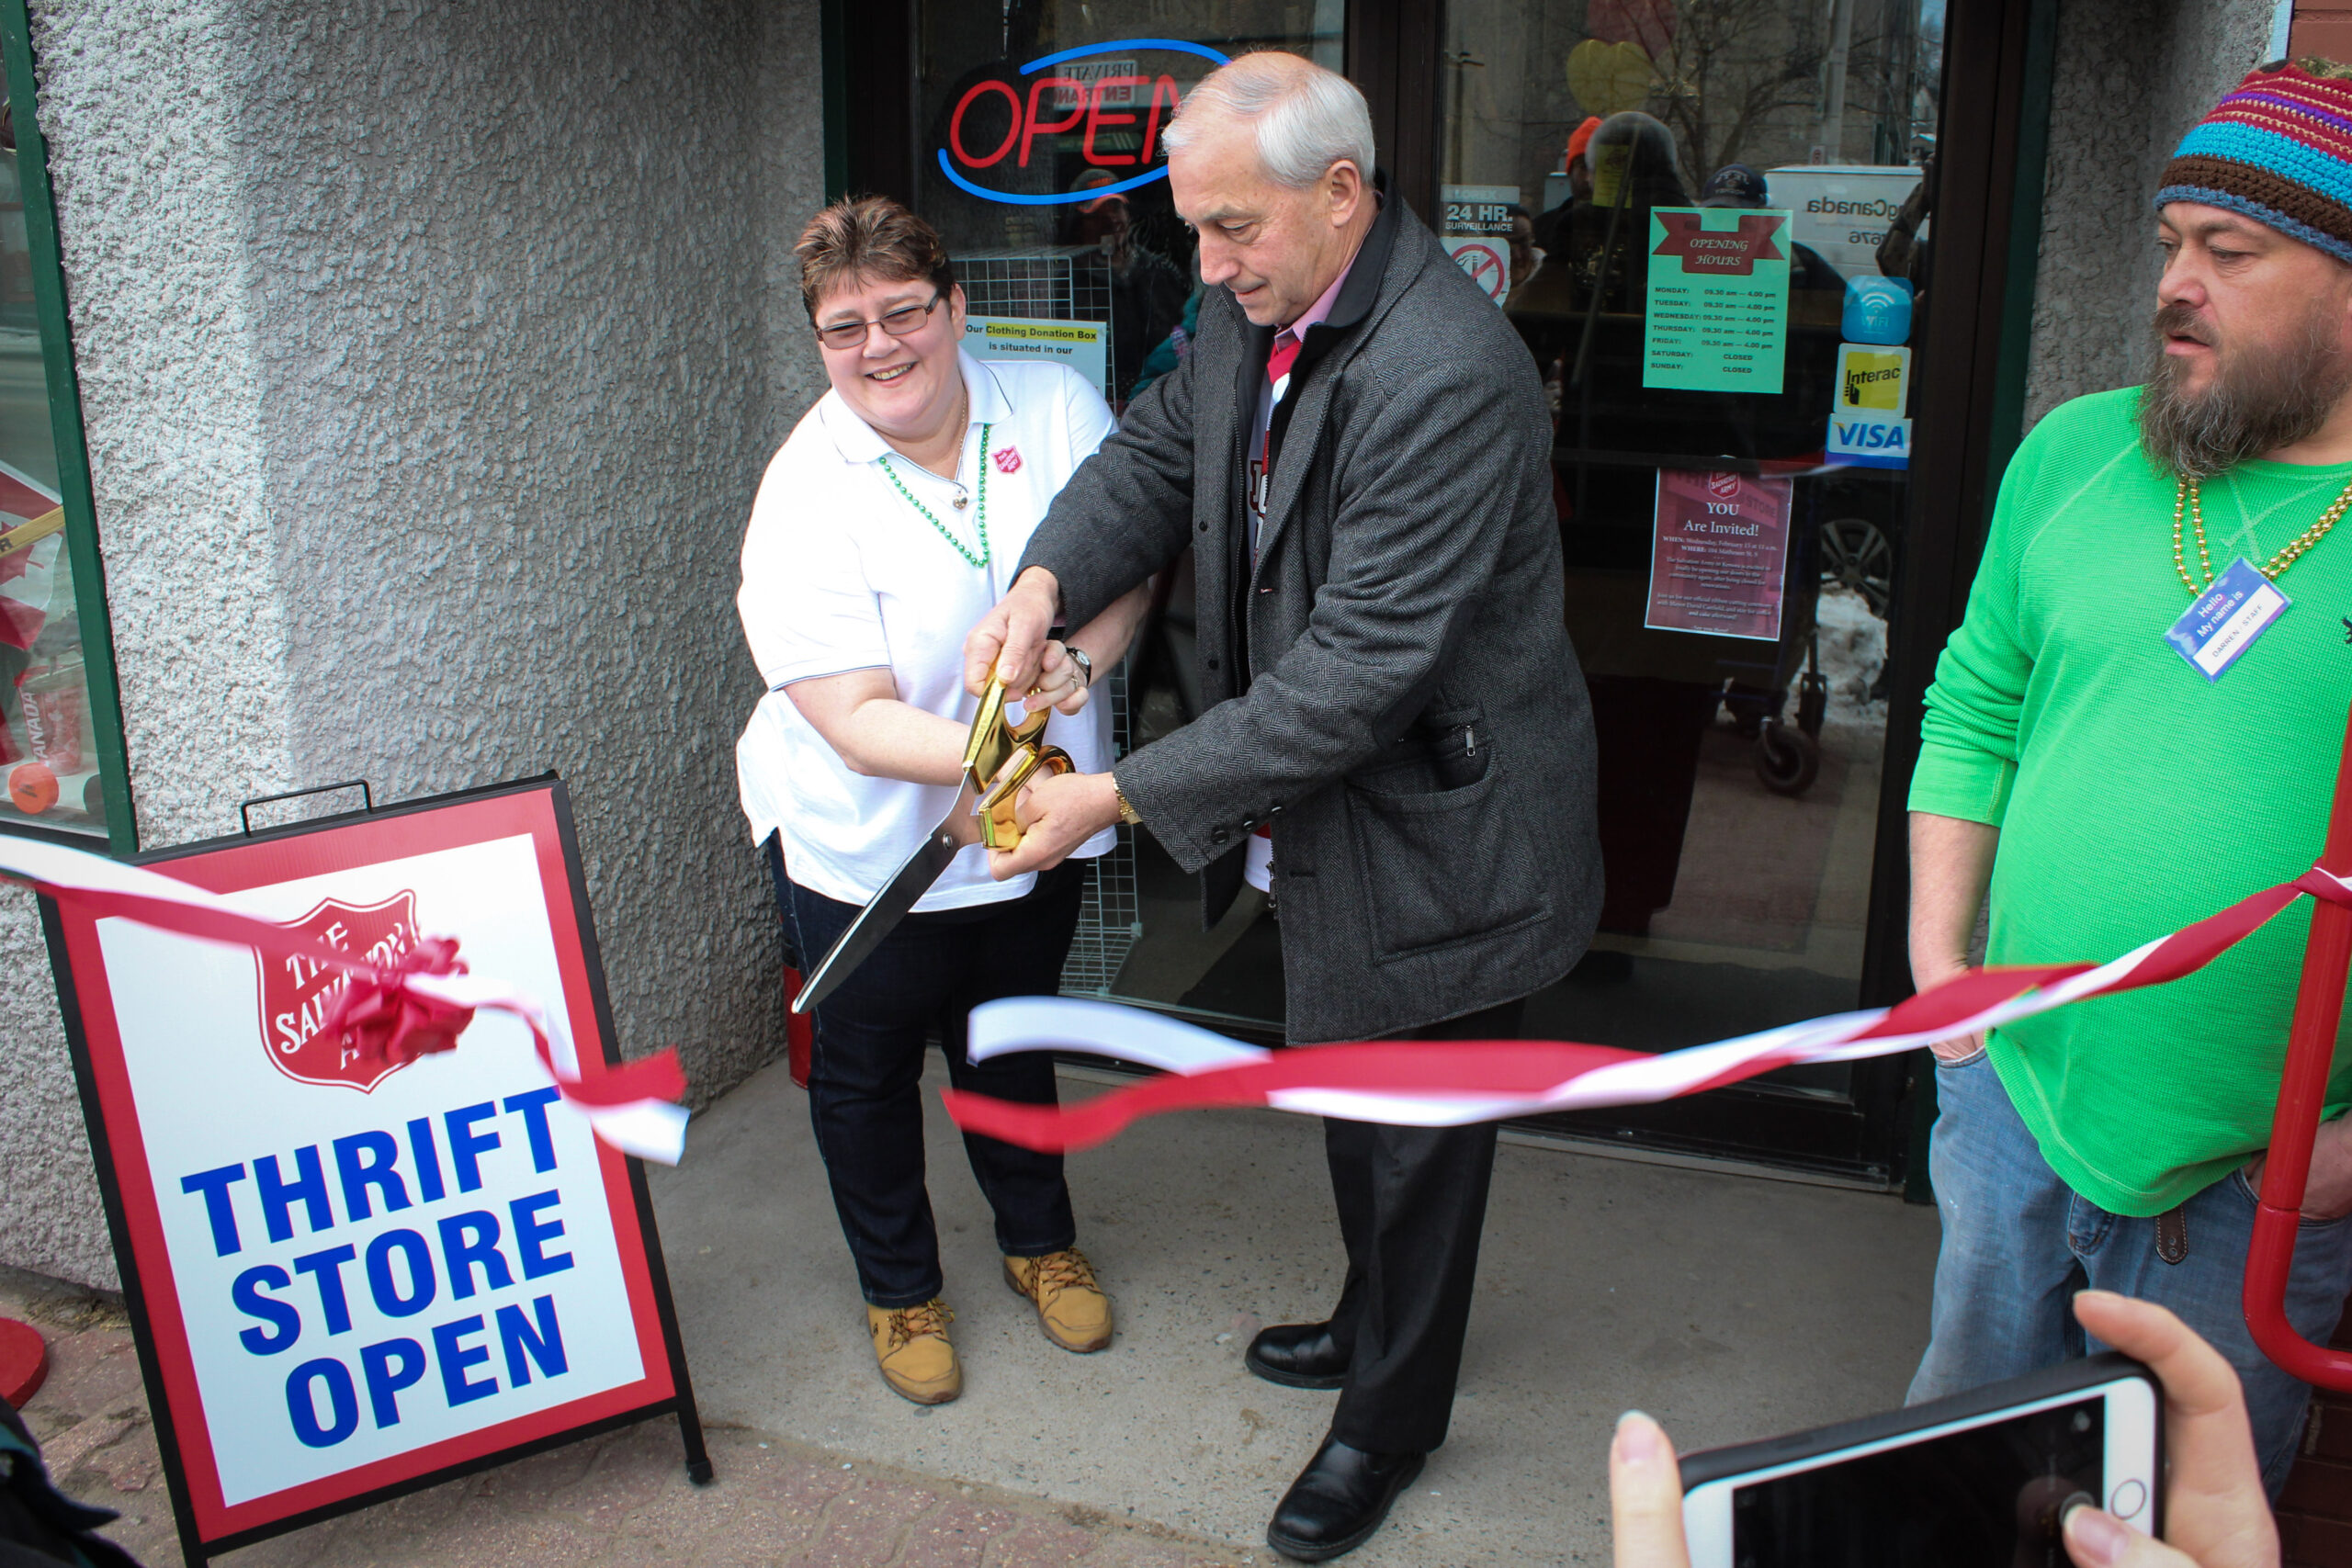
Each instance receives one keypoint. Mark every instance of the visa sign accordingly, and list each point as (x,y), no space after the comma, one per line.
(1868,441)
(1085,100)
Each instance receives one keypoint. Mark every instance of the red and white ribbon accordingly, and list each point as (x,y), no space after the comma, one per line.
(1451,1083)
(395,1013)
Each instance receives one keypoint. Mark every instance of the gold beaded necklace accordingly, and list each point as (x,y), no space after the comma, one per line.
(2186,499)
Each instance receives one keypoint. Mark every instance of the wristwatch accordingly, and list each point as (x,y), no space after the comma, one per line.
(1128,813)
(1077,657)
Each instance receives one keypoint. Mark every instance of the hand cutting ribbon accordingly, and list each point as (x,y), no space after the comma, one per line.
(1458,1082)
(395,1012)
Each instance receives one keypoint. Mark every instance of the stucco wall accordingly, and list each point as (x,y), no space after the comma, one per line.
(2130,77)
(430,358)
(152,191)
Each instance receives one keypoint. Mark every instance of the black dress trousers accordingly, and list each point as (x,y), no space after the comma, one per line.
(1412,1201)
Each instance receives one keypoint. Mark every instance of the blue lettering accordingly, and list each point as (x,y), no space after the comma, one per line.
(388,1367)
(532,1233)
(368,1159)
(214,1185)
(247,1294)
(429,1187)
(411,1245)
(469,1241)
(534,1110)
(277,1195)
(546,1346)
(326,1270)
(342,1402)
(466,1145)
(454,1359)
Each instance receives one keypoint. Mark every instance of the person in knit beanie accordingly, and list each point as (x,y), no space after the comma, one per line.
(2139,718)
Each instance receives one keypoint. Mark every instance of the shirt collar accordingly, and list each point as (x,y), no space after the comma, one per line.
(857,441)
(1314,314)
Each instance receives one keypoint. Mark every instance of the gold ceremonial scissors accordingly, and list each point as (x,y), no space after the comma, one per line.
(1000,757)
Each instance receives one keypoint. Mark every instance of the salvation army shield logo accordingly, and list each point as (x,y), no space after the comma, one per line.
(296,995)
(1723,487)
(1008,461)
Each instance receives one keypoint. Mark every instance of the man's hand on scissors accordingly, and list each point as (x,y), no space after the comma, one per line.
(1057,813)
(1009,642)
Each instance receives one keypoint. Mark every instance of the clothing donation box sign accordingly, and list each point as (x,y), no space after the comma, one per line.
(1719,552)
(349,1279)
(1084,346)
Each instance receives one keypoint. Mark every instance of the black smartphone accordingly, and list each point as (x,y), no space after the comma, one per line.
(1980,1480)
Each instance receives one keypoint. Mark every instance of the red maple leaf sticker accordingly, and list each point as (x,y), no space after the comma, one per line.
(297,996)
(1720,252)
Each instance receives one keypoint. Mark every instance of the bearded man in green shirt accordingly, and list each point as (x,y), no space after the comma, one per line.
(2115,771)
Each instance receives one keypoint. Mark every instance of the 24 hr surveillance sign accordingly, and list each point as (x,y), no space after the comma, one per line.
(356,1276)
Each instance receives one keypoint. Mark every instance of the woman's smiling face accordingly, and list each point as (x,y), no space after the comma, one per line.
(906,388)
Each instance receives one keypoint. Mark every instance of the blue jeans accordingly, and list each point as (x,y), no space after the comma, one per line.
(2018,1242)
(865,1073)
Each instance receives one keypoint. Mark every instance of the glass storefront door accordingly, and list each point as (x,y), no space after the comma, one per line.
(1723,291)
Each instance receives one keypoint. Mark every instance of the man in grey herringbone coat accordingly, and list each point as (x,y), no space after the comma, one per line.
(1357,453)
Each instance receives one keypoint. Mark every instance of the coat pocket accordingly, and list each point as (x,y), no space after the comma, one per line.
(1444,866)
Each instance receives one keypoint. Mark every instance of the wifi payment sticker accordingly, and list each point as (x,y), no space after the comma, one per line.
(2227,619)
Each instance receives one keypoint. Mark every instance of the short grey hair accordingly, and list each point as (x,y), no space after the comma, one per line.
(1306,119)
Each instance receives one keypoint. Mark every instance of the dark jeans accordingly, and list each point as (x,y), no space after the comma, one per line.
(1412,1201)
(865,1073)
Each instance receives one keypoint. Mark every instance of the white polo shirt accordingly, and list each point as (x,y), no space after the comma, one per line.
(840,572)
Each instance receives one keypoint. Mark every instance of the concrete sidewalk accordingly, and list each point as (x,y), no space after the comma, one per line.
(1726,1305)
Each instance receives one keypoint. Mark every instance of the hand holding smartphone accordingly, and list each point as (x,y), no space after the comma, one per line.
(1981,1480)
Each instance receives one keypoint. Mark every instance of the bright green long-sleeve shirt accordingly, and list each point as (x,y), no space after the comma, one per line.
(2133,796)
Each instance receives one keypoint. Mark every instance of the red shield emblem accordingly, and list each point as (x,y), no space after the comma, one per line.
(296,995)
(1009,460)
(1723,487)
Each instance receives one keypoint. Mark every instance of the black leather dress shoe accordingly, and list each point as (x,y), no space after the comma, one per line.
(1338,1501)
(1298,1354)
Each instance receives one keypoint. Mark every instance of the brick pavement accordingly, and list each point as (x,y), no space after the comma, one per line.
(619,1499)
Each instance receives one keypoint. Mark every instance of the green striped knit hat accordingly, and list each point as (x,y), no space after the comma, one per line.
(2278,150)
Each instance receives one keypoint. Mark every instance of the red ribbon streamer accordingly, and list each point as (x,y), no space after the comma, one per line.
(1487,1068)
(378,1015)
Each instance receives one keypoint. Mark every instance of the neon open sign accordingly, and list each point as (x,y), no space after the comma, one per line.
(1057,105)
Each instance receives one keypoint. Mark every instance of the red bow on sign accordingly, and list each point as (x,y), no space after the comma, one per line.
(1720,252)
(377,1016)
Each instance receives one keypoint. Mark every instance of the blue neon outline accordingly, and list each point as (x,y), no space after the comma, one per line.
(1091,193)
(1179,45)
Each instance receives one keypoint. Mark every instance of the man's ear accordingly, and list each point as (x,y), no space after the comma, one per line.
(1344,192)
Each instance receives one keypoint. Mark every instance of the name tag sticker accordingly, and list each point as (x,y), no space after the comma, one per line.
(2226,618)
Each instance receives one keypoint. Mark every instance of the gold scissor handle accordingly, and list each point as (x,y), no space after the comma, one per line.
(999,758)
(999,827)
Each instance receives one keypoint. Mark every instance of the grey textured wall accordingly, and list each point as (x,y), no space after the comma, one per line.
(2131,77)
(431,354)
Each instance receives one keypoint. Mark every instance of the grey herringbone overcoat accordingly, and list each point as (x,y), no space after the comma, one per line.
(1411,720)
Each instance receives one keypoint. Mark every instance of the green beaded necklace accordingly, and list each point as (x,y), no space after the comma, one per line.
(981,511)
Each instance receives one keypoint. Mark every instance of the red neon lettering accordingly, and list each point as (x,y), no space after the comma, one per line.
(956,126)
(1151,122)
(1036,127)
(1096,119)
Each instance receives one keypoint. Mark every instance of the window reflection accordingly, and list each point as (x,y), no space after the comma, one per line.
(47,747)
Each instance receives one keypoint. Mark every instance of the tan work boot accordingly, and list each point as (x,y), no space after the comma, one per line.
(910,1346)
(1072,1308)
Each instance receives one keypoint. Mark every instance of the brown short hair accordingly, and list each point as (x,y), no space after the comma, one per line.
(869,239)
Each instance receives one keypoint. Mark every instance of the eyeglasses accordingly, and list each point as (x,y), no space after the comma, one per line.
(897,323)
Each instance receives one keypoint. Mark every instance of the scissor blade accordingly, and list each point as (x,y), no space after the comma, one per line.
(874,922)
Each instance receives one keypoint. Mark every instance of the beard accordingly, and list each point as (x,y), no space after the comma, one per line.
(2259,399)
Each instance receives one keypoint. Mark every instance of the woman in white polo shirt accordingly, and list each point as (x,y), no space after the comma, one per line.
(887,525)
